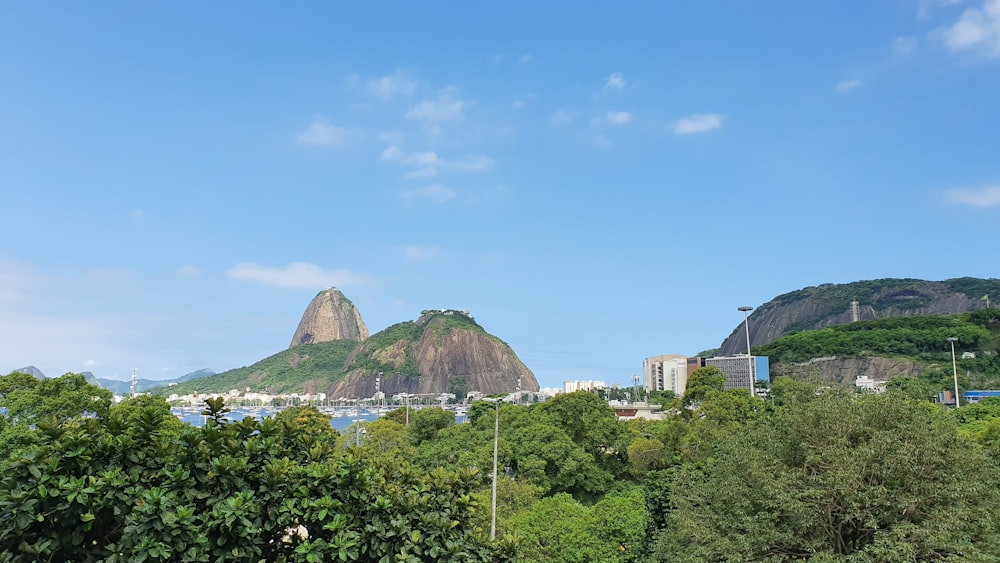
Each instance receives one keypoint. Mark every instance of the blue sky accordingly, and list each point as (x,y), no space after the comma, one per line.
(595,183)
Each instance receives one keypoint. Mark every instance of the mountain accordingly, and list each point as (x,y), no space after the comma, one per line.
(32,371)
(442,351)
(330,316)
(826,305)
(119,387)
(906,346)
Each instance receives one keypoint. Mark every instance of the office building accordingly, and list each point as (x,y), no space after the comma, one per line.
(737,370)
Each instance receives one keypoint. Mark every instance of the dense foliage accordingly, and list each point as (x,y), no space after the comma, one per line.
(136,485)
(922,336)
(817,472)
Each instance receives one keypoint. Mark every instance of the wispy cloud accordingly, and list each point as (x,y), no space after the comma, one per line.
(615,82)
(444,108)
(390,86)
(904,45)
(983,197)
(428,163)
(619,117)
(562,117)
(421,252)
(437,194)
(698,123)
(320,133)
(188,270)
(298,275)
(847,85)
(977,29)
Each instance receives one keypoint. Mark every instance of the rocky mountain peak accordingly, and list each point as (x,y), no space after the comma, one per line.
(830,304)
(330,316)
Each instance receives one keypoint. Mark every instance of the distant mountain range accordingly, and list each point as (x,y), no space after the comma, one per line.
(443,351)
(118,387)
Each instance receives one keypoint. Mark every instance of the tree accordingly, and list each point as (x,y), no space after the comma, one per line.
(426,423)
(90,489)
(702,382)
(874,478)
(28,400)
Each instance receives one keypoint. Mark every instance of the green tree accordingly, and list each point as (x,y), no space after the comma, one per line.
(94,489)
(875,479)
(427,422)
(702,382)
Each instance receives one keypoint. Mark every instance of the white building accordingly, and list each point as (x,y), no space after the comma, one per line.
(577,385)
(665,373)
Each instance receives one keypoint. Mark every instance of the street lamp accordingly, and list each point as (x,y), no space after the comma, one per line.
(746,322)
(954,369)
(496,442)
(406,403)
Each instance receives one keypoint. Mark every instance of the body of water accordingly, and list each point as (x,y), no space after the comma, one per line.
(341,418)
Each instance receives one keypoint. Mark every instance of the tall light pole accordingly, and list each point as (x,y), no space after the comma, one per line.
(496,442)
(954,369)
(746,323)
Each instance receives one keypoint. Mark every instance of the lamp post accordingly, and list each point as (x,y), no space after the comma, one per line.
(954,370)
(496,442)
(406,403)
(746,322)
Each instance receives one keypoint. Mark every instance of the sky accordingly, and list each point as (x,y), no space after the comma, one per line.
(596,183)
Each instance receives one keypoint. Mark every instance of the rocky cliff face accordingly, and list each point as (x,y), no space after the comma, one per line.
(443,351)
(330,316)
(830,304)
(847,370)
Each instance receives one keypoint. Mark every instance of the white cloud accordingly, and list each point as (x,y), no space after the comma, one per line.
(428,163)
(615,82)
(436,193)
(319,134)
(444,108)
(619,117)
(562,117)
(391,153)
(978,28)
(847,85)
(188,270)
(91,363)
(137,215)
(421,252)
(984,197)
(698,123)
(526,58)
(395,84)
(297,275)
(904,45)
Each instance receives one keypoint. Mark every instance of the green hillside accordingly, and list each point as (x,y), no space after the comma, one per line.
(921,339)
(285,372)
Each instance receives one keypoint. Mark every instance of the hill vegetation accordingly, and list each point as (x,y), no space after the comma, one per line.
(830,304)
(292,370)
